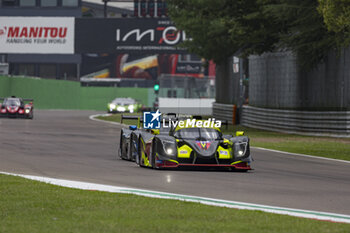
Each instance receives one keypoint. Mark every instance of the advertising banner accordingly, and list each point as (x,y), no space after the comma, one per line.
(128,36)
(37,35)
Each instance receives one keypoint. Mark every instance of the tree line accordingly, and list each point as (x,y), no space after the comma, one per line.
(223,28)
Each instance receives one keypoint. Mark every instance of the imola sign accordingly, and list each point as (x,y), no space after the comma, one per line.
(128,35)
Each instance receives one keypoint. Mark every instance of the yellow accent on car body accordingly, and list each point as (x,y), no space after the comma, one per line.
(239,133)
(174,161)
(226,141)
(184,151)
(236,162)
(143,155)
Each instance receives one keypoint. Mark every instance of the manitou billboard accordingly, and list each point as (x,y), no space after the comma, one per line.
(128,35)
(37,35)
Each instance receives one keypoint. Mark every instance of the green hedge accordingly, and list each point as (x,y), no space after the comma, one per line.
(60,94)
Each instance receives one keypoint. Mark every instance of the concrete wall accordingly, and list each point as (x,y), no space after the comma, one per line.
(276,82)
(57,94)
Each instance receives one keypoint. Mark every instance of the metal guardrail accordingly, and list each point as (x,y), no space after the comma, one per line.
(224,112)
(318,123)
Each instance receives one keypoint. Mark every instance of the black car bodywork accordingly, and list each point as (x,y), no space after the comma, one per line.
(168,148)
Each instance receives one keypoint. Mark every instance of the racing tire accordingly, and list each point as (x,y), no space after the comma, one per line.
(129,152)
(153,160)
(139,154)
(120,149)
(119,153)
(137,158)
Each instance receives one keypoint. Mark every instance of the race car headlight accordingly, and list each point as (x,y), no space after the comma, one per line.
(169,147)
(131,108)
(27,110)
(240,148)
(120,109)
(112,106)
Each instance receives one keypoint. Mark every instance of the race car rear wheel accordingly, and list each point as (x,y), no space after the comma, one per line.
(153,159)
(31,115)
(139,153)
(129,152)
(119,153)
(120,147)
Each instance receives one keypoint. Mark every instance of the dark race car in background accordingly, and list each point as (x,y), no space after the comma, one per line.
(121,105)
(14,107)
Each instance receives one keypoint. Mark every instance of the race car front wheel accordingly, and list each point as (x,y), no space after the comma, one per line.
(119,153)
(153,160)
(31,116)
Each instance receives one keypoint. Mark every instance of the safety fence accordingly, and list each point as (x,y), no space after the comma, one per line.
(326,123)
(59,94)
(225,112)
(318,123)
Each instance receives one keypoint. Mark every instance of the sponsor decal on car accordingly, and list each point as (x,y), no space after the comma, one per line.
(223,152)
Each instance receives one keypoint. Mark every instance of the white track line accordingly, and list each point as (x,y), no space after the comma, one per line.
(93,117)
(203,200)
(302,155)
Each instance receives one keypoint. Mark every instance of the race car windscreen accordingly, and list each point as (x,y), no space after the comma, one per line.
(12,102)
(207,134)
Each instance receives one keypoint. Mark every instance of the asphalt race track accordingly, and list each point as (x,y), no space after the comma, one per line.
(68,145)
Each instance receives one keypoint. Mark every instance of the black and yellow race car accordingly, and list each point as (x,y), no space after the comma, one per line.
(185,145)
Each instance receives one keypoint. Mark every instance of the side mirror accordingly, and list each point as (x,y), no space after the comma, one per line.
(155,131)
(239,133)
(133,127)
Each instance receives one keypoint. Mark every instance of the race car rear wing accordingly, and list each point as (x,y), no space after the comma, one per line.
(128,117)
(2,98)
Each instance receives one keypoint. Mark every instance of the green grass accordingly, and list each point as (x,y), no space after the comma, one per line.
(337,148)
(31,206)
(117,118)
